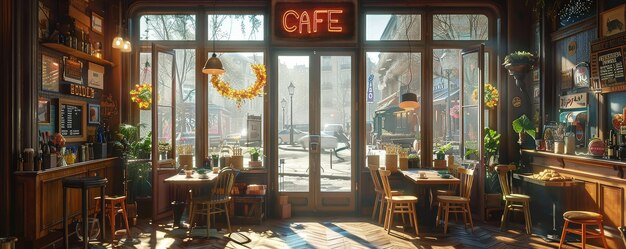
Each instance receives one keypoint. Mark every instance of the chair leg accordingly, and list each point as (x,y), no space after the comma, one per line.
(375,205)
(602,233)
(563,234)
(128,234)
(469,214)
(191,217)
(381,208)
(112,221)
(445,221)
(505,215)
(227,218)
(208,221)
(414,213)
(386,221)
(527,218)
(438,219)
(583,235)
(392,205)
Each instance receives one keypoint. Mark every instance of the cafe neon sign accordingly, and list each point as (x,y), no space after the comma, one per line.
(309,20)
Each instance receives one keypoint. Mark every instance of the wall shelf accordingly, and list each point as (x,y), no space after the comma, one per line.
(78,54)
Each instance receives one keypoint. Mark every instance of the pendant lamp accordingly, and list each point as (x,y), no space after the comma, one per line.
(408,100)
(118,41)
(127,47)
(213,65)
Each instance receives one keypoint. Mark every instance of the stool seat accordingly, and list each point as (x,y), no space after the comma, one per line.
(581,215)
(84,182)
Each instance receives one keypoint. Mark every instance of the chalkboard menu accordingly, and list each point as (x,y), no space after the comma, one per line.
(608,56)
(611,67)
(72,120)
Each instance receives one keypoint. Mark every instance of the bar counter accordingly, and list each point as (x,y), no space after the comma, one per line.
(602,188)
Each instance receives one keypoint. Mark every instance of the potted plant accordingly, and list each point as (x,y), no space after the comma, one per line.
(471,154)
(164,149)
(441,151)
(524,126)
(519,62)
(255,153)
(493,196)
(202,173)
(188,171)
(414,161)
(215,160)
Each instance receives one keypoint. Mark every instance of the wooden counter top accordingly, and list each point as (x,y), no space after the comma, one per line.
(586,160)
(74,165)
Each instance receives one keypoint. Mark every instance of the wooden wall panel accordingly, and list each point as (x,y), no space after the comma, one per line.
(612,205)
(588,199)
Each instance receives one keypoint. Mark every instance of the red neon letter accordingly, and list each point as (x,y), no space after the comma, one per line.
(331,21)
(285,26)
(317,20)
(305,20)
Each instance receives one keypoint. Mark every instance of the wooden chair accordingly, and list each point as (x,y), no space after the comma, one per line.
(380,201)
(584,219)
(451,188)
(217,201)
(513,202)
(397,204)
(458,204)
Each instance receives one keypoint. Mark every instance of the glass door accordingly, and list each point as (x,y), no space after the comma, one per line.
(315,95)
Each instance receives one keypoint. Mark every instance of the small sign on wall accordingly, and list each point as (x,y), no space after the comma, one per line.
(573,101)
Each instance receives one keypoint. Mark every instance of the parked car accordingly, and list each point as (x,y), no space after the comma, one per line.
(327,143)
(331,129)
(283,135)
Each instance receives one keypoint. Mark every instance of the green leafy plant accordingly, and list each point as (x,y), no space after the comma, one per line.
(130,143)
(520,57)
(201,171)
(413,156)
(523,125)
(444,148)
(164,146)
(255,152)
(470,152)
(492,142)
(139,175)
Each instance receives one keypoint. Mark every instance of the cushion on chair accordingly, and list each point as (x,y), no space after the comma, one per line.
(516,197)
(452,199)
(404,198)
(582,215)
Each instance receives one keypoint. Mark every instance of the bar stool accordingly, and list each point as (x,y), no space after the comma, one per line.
(584,219)
(114,205)
(84,183)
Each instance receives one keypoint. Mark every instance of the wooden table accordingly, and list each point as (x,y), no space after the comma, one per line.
(181,180)
(556,198)
(432,177)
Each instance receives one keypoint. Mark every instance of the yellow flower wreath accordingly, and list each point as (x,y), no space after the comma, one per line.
(224,89)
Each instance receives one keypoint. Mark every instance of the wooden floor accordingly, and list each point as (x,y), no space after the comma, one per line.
(342,232)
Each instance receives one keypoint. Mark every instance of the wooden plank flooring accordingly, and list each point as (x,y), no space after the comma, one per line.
(343,232)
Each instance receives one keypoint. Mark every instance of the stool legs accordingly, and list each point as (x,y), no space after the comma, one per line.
(564,233)
(84,194)
(65,234)
(583,233)
(102,221)
(126,220)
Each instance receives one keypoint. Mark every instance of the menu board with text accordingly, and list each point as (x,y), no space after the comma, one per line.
(72,122)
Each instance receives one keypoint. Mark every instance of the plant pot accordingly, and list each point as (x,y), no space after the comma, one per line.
(493,200)
(144,206)
(254,157)
(441,156)
(188,173)
(414,163)
(518,68)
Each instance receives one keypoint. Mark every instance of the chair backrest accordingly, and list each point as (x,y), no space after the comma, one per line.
(223,184)
(503,170)
(376,178)
(467,178)
(384,176)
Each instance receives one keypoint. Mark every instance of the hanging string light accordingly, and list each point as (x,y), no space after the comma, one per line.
(213,65)
(119,42)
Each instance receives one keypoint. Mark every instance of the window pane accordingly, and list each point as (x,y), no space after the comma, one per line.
(294,134)
(167,27)
(460,27)
(335,121)
(185,101)
(446,106)
(393,27)
(387,77)
(235,27)
(228,124)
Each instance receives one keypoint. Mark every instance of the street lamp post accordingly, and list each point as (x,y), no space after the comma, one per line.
(283,104)
(448,118)
(292,90)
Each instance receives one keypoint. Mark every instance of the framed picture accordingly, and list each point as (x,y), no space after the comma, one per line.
(612,21)
(43,111)
(72,70)
(94,114)
(566,79)
(49,73)
(95,76)
(96,23)
(581,75)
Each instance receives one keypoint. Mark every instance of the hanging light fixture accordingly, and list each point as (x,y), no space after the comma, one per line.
(408,100)
(127,47)
(213,65)
(118,41)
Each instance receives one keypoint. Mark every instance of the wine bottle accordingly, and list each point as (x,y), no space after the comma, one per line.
(609,148)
